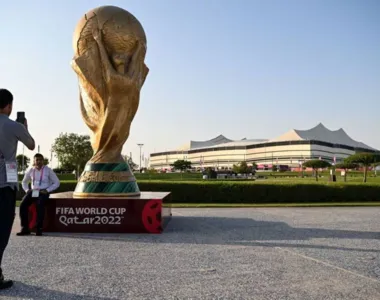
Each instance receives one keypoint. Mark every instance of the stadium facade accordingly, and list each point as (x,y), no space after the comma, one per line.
(290,149)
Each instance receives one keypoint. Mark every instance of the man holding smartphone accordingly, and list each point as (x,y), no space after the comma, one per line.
(10,133)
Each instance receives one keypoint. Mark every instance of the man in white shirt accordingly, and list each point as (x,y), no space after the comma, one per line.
(43,181)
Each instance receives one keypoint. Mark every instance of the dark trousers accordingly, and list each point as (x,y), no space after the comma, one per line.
(27,201)
(7,216)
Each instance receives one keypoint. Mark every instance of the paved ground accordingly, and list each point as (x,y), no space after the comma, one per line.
(247,253)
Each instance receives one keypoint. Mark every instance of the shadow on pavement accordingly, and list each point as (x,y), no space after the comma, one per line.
(30,292)
(235,231)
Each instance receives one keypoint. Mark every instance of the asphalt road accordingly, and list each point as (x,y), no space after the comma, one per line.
(226,253)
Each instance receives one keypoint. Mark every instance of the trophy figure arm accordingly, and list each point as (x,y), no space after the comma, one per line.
(88,119)
(145,74)
(81,66)
(108,69)
(137,71)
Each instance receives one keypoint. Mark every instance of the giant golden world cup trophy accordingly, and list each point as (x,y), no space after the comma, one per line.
(110,47)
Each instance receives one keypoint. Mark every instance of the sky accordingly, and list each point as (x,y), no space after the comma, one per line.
(244,69)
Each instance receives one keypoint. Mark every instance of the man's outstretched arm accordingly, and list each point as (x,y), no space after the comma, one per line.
(24,136)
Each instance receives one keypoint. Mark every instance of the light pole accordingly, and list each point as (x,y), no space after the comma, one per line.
(140,145)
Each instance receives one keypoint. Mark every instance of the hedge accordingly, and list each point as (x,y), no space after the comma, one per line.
(254,192)
(198,176)
(62,177)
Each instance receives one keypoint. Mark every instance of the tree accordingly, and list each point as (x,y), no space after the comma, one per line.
(19,162)
(73,151)
(316,164)
(346,166)
(242,168)
(211,173)
(181,165)
(364,159)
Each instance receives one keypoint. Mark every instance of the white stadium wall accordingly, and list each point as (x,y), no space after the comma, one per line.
(290,149)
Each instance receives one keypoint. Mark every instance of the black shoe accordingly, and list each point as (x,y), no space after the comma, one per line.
(23,232)
(5,284)
(38,232)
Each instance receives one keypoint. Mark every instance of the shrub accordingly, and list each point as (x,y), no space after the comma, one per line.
(248,192)
(253,192)
(61,177)
(211,173)
(66,186)
(65,177)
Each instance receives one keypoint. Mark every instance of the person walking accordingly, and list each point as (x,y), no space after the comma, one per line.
(10,133)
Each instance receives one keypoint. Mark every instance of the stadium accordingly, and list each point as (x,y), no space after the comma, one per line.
(289,150)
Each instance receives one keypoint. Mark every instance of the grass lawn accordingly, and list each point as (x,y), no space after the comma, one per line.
(269,177)
(353,176)
(357,179)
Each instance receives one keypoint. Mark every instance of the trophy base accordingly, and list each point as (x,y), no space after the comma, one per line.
(104,180)
(150,212)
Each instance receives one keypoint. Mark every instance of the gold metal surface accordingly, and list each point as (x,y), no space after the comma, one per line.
(110,47)
(101,176)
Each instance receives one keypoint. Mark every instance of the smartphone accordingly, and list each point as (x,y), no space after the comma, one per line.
(20,117)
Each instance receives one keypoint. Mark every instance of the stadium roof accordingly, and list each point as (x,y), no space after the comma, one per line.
(319,133)
(220,140)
